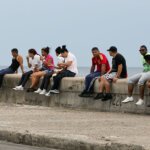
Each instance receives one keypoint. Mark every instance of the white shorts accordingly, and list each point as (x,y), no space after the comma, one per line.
(110,76)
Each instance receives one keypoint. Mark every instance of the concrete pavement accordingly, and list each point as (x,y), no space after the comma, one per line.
(65,129)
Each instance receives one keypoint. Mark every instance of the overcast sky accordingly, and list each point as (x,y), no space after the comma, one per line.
(80,24)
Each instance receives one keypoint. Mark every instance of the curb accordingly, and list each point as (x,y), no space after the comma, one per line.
(60,143)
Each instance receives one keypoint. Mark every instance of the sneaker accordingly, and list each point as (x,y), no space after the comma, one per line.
(128,99)
(83,93)
(99,96)
(38,91)
(54,91)
(107,97)
(48,94)
(17,87)
(20,88)
(140,102)
(43,92)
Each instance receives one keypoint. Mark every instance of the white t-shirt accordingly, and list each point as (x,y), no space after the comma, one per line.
(73,67)
(35,62)
(60,59)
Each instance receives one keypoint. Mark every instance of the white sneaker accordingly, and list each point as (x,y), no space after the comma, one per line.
(48,94)
(140,102)
(128,99)
(38,91)
(17,87)
(54,91)
(43,92)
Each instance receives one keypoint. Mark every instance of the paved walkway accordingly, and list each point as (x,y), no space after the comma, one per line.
(77,124)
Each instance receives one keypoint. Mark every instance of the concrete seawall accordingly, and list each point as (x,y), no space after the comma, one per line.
(70,88)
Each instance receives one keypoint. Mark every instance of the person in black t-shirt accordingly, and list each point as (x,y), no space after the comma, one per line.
(17,61)
(118,71)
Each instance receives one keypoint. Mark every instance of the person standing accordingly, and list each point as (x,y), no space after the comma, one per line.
(34,62)
(69,69)
(140,78)
(118,71)
(100,66)
(17,61)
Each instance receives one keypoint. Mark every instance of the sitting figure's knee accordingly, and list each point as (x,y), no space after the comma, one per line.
(148,84)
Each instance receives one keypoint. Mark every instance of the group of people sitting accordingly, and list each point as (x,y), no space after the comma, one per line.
(42,66)
(101,70)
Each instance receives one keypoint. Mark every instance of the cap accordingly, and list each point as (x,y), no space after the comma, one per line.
(112,49)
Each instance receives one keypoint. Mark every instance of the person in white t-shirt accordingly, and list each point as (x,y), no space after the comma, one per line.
(69,69)
(42,90)
(35,63)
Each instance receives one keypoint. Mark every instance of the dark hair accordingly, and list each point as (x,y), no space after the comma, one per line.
(58,50)
(46,49)
(143,46)
(14,50)
(64,49)
(147,57)
(95,49)
(32,51)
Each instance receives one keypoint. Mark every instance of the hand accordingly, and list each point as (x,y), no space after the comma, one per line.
(27,57)
(35,70)
(99,79)
(115,79)
(23,72)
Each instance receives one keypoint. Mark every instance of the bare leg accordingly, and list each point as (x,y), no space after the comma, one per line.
(101,86)
(107,86)
(130,89)
(36,77)
(148,84)
(141,91)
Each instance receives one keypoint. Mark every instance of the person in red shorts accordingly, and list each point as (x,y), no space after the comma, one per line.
(100,66)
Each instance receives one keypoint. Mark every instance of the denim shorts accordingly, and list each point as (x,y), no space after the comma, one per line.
(48,71)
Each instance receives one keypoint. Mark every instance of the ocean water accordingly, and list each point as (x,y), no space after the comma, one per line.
(83,71)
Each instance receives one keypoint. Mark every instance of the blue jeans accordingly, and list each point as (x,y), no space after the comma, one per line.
(3,72)
(57,79)
(89,81)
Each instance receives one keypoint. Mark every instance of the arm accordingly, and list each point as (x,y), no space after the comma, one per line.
(29,65)
(48,63)
(20,60)
(65,65)
(103,69)
(92,68)
(120,67)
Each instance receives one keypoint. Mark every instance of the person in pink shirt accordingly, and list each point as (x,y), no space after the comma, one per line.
(47,68)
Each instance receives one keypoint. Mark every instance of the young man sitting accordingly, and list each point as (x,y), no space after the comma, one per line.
(100,66)
(17,61)
(140,78)
(119,70)
(70,69)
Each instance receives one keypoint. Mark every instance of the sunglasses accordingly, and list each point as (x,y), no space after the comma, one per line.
(142,50)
